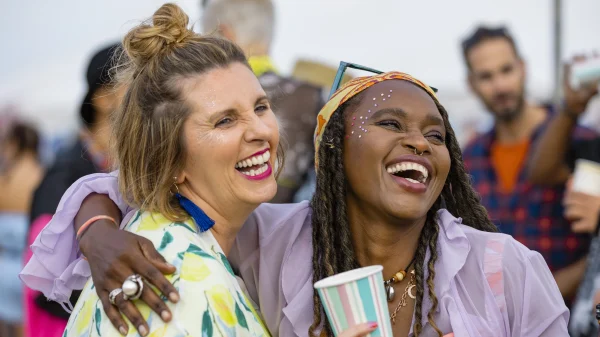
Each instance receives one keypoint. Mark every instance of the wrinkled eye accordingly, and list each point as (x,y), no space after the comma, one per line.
(224,122)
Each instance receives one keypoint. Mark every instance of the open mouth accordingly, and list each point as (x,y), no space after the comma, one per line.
(255,167)
(412,172)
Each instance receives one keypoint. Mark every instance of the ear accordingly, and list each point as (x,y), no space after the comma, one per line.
(180,178)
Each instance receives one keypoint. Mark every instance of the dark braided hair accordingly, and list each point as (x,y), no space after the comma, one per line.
(333,251)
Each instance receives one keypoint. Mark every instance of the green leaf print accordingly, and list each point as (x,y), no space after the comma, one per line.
(192,248)
(240,317)
(98,320)
(207,326)
(242,300)
(166,240)
(226,263)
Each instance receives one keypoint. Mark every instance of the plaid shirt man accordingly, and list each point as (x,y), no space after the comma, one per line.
(532,214)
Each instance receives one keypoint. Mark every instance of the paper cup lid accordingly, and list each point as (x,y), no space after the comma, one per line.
(348,276)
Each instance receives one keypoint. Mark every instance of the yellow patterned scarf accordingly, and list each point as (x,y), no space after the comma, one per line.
(350,90)
(261,65)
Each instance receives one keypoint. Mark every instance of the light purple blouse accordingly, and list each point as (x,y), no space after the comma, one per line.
(487,284)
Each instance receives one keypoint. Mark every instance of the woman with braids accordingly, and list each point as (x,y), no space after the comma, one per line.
(392,191)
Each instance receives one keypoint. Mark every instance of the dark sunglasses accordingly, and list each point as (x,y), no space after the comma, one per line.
(342,69)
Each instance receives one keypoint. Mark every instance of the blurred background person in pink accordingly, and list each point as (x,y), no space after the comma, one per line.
(87,153)
(20,173)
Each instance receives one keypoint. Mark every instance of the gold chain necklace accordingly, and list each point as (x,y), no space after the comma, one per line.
(408,291)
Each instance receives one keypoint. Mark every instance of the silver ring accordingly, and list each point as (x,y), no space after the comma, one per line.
(113,295)
(133,287)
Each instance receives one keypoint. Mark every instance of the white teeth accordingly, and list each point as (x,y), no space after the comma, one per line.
(406,166)
(412,180)
(254,161)
(258,171)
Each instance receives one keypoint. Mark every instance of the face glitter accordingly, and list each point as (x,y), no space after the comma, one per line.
(359,136)
(353,118)
(352,124)
(375,104)
(374,98)
(360,117)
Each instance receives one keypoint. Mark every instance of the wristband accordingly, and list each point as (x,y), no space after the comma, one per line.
(92,220)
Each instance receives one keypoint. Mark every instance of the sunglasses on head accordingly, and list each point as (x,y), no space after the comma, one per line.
(342,69)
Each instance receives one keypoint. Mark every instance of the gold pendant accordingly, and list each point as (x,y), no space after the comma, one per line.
(410,289)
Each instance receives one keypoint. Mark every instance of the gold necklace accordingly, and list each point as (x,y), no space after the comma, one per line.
(398,277)
(408,291)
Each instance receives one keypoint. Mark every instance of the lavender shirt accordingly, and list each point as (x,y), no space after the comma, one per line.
(487,284)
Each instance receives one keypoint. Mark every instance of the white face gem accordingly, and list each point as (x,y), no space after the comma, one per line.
(374,98)
(389,95)
(352,132)
(390,90)
(381,94)
(369,111)
(359,136)
(360,117)
(375,104)
(384,99)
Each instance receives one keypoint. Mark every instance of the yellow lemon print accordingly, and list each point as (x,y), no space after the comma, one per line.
(193,268)
(222,303)
(152,222)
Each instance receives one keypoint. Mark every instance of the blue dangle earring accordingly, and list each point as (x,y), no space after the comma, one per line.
(202,220)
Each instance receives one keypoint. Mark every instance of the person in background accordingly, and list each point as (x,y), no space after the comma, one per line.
(532,214)
(552,163)
(20,173)
(250,24)
(87,155)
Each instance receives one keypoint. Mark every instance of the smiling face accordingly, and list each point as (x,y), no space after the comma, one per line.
(230,138)
(394,120)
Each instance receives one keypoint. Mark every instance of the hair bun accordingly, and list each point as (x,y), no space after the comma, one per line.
(169,26)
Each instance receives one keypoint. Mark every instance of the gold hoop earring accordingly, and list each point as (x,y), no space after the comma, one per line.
(176,187)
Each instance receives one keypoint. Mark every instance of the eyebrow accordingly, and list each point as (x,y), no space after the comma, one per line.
(400,113)
(235,112)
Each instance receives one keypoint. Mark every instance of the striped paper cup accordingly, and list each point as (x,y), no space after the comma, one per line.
(354,297)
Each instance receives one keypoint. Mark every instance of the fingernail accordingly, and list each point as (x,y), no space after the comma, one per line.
(142,330)
(174,297)
(373,325)
(165,315)
(123,331)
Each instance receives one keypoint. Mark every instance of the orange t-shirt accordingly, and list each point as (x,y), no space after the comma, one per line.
(507,161)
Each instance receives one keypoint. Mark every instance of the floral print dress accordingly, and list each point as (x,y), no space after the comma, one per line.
(212,301)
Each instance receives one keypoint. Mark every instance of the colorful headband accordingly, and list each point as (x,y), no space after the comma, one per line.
(350,90)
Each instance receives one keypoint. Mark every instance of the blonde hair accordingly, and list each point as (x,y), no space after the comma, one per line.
(148,128)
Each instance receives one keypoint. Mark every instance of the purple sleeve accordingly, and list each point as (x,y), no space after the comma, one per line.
(534,304)
(57,267)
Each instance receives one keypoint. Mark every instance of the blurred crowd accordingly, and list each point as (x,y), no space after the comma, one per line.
(522,167)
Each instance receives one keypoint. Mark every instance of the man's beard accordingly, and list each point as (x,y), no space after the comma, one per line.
(508,115)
